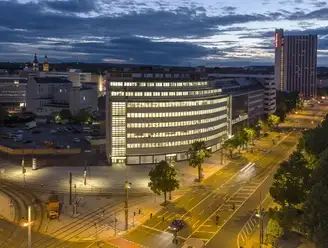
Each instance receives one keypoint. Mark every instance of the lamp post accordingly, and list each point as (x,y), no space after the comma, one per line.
(28,224)
(85,175)
(127,186)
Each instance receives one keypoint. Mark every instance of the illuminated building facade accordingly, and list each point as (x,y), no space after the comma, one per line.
(296,63)
(149,120)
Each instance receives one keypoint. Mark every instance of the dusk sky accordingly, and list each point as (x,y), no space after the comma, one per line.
(169,32)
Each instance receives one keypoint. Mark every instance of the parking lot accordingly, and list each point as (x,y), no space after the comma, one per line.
(45,136)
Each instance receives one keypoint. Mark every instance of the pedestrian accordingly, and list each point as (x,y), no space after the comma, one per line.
(151,215)
(163,219)
(139,211)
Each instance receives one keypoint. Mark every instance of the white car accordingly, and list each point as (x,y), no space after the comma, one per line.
(53,131)
(77,140)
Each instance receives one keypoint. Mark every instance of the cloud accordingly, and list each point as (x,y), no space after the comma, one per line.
(142,32)
(319,4)
(75,6)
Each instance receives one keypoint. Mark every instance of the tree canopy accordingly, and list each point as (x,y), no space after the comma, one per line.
(83,116)
(273,232)
(273,121)
(291,181)
(197,154)
(65,114)
(163,179)
(315,208)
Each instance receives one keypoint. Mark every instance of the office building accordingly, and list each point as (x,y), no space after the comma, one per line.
(266,80)
(46,95)
(296,63)
(150,120)
(13,92)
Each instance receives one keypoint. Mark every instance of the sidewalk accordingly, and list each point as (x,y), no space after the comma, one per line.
(101,179)
(6,212)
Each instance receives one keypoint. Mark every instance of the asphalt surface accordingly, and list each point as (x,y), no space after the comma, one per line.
(235,185)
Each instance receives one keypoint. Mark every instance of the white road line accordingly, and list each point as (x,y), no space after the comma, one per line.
(195,224)
(201,212)
(205,232)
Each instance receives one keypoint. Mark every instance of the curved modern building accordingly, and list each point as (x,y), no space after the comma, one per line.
(148,121)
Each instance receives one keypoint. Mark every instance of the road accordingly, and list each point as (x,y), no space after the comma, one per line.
(238,184)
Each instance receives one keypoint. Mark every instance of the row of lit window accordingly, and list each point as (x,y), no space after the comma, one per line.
(174,104)
(158,84)
(176,114)
(118,151)
(179,133)
(173,93)
(175,143)
(175,123)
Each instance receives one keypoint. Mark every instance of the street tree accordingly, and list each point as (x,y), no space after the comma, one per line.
(242,138)
(65,114)
(163,179)
(231,145)
(273,232)
(273,121)
(315,208)
(250,133)
(198,152)
(83,117)
(291,183)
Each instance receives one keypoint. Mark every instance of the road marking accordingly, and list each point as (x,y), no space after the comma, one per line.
(195,224)
(201,212)
(237,207)
(250,218)
(154,229)
(207,225)
(205,232)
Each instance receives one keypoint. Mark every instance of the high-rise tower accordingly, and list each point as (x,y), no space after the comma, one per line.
(296,63)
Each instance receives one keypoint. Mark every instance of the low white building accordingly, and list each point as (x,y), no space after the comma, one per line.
(46,95)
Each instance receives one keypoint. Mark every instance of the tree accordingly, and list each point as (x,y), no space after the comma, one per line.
(315,208)
(241,138)
(273,121)
(231,145)
(281,111)
(198,152)
(273,232)
(65,114)
(291,183)
(83,116)
(250,133)
(163,179)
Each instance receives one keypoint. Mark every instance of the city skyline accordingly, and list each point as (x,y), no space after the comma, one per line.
(210,33)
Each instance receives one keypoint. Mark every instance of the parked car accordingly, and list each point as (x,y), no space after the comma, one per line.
(53,131)
(77,140)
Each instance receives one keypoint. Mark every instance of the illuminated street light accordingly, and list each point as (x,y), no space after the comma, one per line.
(127,186)
(29,224)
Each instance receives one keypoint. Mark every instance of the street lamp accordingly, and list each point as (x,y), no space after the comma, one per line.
(127,186)
(28,224)
(260,215)
(85,175)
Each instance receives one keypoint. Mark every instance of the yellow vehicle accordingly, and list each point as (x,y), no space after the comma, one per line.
(53,206)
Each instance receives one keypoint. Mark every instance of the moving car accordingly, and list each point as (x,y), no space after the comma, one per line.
(178,225)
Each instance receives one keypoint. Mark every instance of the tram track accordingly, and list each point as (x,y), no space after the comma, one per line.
(21,199)
(73,229)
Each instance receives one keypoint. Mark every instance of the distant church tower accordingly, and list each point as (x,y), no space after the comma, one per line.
(35,64)
(45,64)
